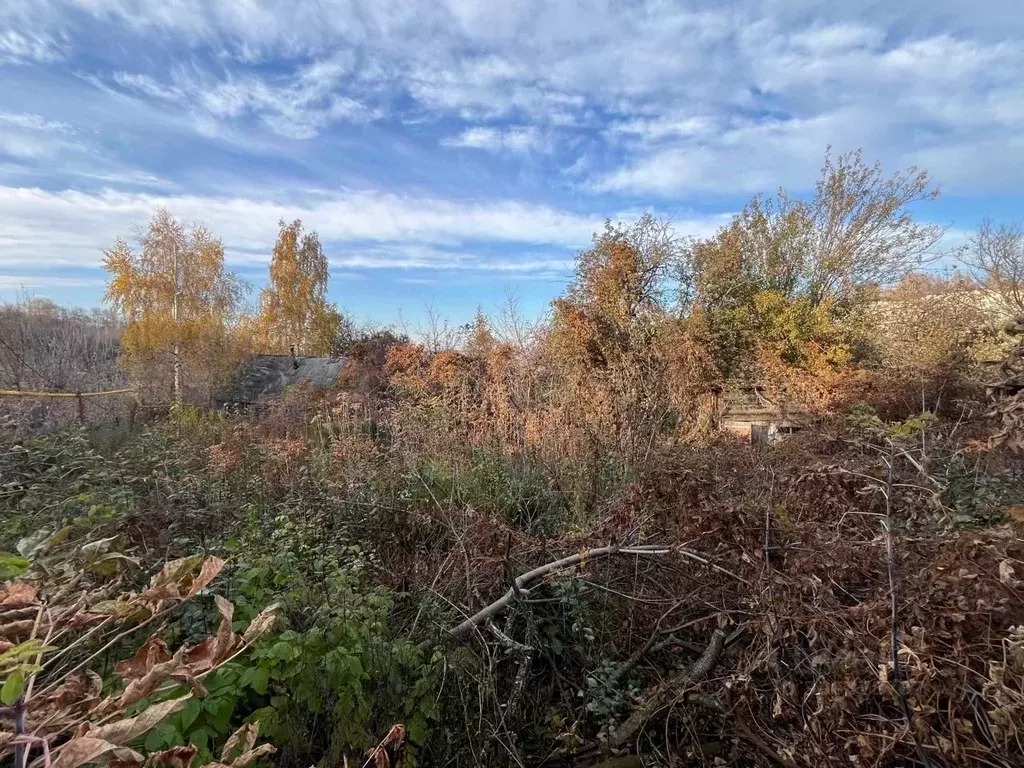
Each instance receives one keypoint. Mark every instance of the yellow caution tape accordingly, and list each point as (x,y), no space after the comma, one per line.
(29,393)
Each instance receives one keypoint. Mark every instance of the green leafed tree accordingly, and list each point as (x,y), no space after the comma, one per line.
(815,261)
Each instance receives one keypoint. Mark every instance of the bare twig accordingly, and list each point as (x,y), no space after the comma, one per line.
(704,561)
(623,669)
(895,633)
(507,641)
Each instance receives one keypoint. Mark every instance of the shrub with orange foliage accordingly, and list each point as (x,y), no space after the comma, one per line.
(407,366)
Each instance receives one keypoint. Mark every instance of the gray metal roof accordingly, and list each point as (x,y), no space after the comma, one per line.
(270,375)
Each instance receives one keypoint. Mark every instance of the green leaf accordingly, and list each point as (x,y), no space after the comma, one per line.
(417,730)
(282,650)
(245,681)
(12,688)
(111,564)
(59,537)
(190,713)
(162,736)
(22,651)
(102,557)
(260,679)
(201,737)
(12,565)
(154,741)
(219,711)
(355,666)
(94,550)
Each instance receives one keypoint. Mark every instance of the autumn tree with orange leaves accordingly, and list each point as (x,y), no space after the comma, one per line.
(179,305)
(624,352)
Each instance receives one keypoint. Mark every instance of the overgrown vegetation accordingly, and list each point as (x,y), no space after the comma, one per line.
(534,544)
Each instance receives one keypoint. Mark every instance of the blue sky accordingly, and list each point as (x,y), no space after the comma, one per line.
(452,152)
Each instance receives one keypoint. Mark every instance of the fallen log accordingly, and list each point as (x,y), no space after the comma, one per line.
(523,581)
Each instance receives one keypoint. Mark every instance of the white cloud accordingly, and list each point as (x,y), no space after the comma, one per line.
(71,227)
(519,260)
(930,101)
(360,230)
(746,157)
(654,129)
(17,282)
(25,136)
(550,68)
(33,122)
(960,165)
(519,139)
(20,48)
(295,105)
(148,86)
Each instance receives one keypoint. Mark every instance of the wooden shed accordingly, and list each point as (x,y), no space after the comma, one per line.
(759,414)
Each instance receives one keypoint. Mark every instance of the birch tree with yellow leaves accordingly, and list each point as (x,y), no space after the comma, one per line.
(179,305)
(294,312)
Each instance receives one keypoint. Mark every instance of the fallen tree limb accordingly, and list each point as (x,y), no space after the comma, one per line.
(521,582)
(507,641)
(664,693)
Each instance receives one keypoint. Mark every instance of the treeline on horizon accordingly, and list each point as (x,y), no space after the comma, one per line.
(786,295)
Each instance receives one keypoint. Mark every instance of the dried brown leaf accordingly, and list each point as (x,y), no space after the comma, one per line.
(247,758)
(225,607)
(175,757)
(139,688)
(132,727)
(241,741)
(16,629)
(84,618)
(154,651)
(77,695)
(211,567)
(167,584)
(17,595)
(125,758)
(380,756)
(86,749)
(213,650)
(395,736)
(261,625)
(1006,573)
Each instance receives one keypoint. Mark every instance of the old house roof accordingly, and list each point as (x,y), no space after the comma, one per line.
(757,404)
(270,375)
